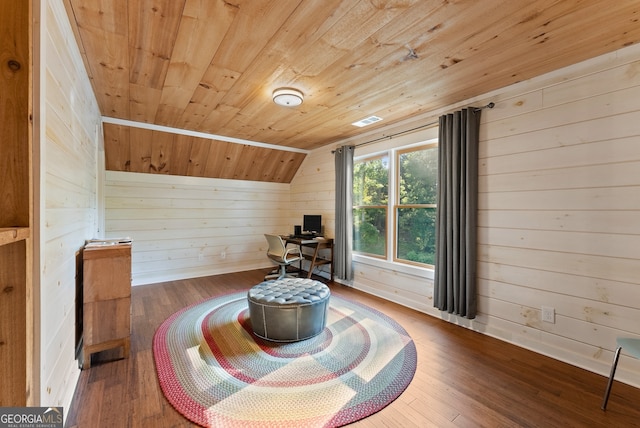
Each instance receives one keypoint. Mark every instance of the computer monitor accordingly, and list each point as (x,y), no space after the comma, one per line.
(312,224)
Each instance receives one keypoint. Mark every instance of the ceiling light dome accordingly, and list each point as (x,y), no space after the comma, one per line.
(287,97)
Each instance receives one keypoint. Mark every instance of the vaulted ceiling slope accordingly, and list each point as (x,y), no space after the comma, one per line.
(147,151)
(211,65)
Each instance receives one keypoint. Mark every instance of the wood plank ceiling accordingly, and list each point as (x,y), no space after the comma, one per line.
(211,66)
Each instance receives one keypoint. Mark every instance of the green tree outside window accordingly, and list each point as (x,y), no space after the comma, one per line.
(416,208)
(370,198)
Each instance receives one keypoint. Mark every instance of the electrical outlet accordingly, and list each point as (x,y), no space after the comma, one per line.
(200,256)
(548,314)
(223,255)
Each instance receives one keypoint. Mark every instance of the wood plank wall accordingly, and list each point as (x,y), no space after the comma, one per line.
(559,209)
(559,203)
(69,117)
(185,227)
(310,196)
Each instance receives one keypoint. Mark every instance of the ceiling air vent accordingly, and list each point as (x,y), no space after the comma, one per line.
(367,121)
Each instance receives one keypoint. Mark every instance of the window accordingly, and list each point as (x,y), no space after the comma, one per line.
(371,202)
(415,210)
(407,189)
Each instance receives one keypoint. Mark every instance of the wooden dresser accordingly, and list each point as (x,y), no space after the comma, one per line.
(106,319)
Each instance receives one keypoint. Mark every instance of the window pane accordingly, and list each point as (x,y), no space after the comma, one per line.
(417,235)
(370,230)
(418,173)
(371,182)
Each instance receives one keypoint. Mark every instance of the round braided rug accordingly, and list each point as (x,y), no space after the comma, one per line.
(216,372)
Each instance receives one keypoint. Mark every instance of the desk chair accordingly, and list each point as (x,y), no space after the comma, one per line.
(631,346)
(281,255)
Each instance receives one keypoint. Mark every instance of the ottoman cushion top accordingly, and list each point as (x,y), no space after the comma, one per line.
(289,291)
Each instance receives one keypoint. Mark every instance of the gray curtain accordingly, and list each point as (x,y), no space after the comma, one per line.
(343,242)
(455,270)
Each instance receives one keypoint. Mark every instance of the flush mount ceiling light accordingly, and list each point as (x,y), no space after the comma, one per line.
(287,97)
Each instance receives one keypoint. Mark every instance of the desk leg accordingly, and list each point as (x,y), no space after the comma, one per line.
(313,260)
(301,260)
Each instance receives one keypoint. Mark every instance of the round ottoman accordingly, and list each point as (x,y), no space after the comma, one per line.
(288,309)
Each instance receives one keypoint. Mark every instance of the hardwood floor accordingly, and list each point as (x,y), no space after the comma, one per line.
(463,378)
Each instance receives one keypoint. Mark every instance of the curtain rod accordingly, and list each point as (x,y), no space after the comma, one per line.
(388,137)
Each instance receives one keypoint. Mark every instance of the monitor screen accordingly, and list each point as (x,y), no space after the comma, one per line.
(312,224)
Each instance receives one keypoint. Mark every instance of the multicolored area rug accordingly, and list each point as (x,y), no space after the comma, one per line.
(216,372)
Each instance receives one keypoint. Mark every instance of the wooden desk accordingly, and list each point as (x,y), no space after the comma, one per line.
(317,244)
(106,320)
